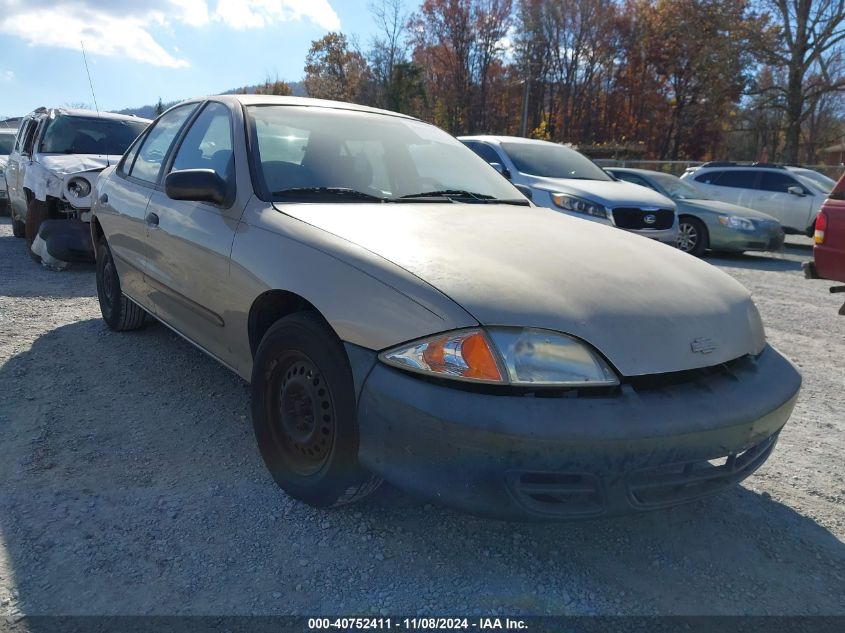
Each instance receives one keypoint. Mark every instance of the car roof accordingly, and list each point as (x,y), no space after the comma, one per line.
(253,100)
(490,138)
(61,111)
(722,165)
(642,172)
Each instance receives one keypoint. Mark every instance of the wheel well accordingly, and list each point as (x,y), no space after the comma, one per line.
(96,232)
(692,217)
(271,306)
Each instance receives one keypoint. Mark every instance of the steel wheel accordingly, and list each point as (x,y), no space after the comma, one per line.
(304,413)
(306,416)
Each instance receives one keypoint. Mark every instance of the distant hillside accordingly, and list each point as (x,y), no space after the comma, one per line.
(149,111)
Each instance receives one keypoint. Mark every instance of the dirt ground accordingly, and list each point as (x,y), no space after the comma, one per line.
(131,484)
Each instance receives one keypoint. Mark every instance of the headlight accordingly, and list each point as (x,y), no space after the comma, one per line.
(758,332)
(579,205)
(734,222)
(527,357)
(79,187)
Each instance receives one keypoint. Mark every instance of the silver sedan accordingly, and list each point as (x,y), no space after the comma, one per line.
(402,312)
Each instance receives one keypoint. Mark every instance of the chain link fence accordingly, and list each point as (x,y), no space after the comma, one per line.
(678,167)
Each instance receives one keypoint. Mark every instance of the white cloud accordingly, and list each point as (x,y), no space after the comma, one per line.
(244,14)
(7,75)
(118,29)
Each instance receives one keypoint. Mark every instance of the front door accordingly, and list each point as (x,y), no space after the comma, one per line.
(190,243)
(793,210)
(123,199)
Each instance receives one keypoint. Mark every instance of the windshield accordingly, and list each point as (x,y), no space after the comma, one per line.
(7,142)
(314,150)
(552,161)
(817,180)
(676,188)
(84,135)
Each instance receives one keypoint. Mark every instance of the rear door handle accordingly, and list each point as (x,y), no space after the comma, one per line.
(152,219)
(104,198)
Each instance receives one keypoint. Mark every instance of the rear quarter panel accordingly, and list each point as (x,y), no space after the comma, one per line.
(830,256)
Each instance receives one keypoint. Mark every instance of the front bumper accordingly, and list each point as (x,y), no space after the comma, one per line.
(64,241)
(524,457)
(763,238)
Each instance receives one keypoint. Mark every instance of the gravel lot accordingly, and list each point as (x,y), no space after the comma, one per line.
(131,484)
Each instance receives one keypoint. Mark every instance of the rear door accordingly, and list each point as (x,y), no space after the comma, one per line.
(735,185)
(773,197)
(190,243)
(122,199)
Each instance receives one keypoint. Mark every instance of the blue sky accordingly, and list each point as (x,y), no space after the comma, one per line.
(173,49)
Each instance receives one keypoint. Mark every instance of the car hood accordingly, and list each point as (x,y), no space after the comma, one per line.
(722,208)
(644,305)
(62,164)
(4,160)
(610,193)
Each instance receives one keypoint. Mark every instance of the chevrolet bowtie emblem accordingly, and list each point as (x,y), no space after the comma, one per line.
(703,345)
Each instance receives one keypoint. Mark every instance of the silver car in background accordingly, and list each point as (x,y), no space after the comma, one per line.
(403,312)
(560,178)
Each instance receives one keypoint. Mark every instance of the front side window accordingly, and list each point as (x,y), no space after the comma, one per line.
(777,181)
(208,144)
(485,151)
(548,160)
(676,188)
(379,156)
(153,150)
(89,135)
(29,138)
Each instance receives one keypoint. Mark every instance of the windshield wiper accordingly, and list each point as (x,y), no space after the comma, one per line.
(447,193)
(329,192)
(450,195)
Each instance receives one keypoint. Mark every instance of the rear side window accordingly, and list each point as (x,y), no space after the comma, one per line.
(776,181)
(154,149)
(739,178)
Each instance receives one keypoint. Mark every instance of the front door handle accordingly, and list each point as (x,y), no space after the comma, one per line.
(104,198)
(152,219)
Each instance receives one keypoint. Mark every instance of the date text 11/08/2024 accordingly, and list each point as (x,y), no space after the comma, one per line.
(417,624)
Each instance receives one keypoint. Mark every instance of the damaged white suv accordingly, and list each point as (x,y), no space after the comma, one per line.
(51,172)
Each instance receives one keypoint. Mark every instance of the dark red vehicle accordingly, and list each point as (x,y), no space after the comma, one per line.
(829,251)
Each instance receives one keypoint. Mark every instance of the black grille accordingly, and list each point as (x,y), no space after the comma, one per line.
(634,218)
(671,484)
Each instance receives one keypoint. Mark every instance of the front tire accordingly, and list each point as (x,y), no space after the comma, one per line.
(303,413)
(119,313)
(692,236)
(18,227)
(36,212)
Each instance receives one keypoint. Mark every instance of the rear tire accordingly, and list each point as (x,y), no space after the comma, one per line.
(303,413)
(119,313)
(692,236)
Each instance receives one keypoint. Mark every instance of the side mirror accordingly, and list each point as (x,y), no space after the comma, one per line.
(196,185)
(501,169)
(796,191)
(525,191)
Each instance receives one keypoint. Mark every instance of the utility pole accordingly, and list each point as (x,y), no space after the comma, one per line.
(523,128)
